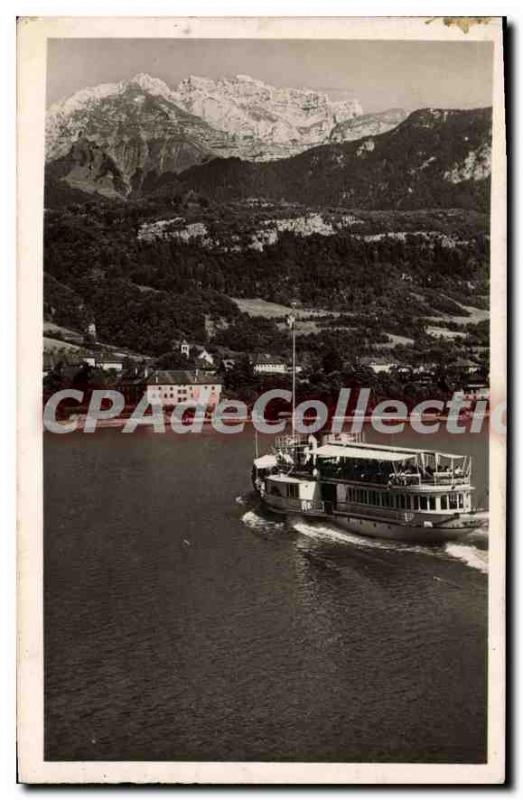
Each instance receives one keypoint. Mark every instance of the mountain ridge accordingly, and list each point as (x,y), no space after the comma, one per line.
(434,158)
(131,138)
(143,126)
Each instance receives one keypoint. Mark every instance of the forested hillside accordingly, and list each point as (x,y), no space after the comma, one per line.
(145,293)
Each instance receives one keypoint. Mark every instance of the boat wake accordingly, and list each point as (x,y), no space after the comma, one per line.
(260,523)
(328,533)
(474,557)
(471,555)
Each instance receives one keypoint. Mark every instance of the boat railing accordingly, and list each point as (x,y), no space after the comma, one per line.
(289,441)
(343,438)
(444,478)
(437,479)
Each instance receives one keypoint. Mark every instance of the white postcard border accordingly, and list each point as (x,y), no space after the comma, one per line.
(33,34)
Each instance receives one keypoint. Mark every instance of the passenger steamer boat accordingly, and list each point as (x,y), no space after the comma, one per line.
(373,490)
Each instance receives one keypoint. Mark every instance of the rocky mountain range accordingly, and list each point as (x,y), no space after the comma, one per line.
(221,138)
(259,121)
(110,138)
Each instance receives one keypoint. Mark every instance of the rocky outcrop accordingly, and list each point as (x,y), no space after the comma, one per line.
(367,125)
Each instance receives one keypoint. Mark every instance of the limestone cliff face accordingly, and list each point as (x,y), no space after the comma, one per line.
(113,137)
(266,121)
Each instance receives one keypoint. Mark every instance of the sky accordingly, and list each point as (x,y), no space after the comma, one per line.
(380,75)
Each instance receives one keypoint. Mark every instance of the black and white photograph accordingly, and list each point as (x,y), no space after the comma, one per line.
(263,400)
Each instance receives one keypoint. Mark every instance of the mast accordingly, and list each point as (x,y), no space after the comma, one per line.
(293,375)
(291,321)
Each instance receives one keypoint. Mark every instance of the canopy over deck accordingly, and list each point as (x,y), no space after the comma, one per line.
(376,453)
(265,462)
(361,453)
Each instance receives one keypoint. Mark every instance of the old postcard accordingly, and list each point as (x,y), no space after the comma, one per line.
(262,400)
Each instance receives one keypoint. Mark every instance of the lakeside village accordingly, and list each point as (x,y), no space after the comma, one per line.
(191,371)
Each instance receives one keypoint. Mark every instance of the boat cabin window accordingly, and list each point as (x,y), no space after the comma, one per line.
(293,490)
(444,500)
(453,501)
(415,502)
(460,501)
(423,503)
(432,503)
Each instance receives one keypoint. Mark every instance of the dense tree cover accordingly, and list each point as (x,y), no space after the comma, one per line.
(146,295)
(90,255)
(63,304)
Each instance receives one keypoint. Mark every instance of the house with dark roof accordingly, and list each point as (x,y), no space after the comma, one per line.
(104,360)
(180,386)
(266,364)
(378,365)
(463,365)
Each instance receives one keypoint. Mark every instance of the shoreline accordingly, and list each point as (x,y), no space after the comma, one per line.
(149,421)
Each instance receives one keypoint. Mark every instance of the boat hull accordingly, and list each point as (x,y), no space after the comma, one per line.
(386,529)
(398,531)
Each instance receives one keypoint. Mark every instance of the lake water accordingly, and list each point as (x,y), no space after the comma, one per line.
(184,623)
